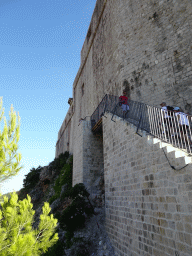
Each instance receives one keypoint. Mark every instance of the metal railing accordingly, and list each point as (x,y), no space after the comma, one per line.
(168,126)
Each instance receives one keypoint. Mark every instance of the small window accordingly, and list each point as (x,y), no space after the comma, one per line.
(74,96)
(88,34)
(82,89)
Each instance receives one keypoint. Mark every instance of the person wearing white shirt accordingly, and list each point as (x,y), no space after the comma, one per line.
(167,118)
(184,125)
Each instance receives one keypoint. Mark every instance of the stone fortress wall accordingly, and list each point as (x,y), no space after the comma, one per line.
(145,47)
(148,205)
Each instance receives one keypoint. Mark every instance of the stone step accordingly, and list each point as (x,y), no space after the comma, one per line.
(176,156)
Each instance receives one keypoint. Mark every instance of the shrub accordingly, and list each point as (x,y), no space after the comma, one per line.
(65,177)
(16,234)
(46,181)
(56,249)
(73,216)
(81,247)
(59,162)
(68,236)
(53,198)
(32,178)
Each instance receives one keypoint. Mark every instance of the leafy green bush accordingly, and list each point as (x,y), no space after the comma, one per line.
(32,178)
(81,247)
(65,177)
(16,234)
(46,181)
(59,162)
(73,216)
(53,198)
(68,236)
(56,249)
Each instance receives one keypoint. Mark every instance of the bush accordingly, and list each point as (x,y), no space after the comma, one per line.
(16,234)
(53,198)
(32,178)
(65,177)
(59,162)
(46,181)
(81,248)
(73,216)
(56,249)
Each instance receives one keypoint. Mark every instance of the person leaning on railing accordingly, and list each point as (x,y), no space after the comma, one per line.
(123,102)
(184,124)
(167,118)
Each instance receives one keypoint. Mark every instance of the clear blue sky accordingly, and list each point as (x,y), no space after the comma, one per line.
(40,45)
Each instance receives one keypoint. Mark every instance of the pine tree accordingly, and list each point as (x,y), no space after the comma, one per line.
(17,238)
(16,217)
(9,138)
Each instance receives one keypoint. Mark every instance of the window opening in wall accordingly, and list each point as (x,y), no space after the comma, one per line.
(80,111)
(82,89)
(88,34)
(74,99)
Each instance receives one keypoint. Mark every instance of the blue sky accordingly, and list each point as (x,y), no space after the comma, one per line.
(40,45)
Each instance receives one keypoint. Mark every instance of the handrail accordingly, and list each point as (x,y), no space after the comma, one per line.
(173,129)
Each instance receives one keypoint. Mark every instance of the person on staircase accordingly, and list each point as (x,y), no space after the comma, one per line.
(168,119)
(123,102)
(184,124)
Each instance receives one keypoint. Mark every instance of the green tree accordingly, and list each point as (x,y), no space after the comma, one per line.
(9,138)
(16,234)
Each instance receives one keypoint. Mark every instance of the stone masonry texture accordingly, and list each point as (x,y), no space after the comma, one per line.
(145,47)
(142,46)
(148,204)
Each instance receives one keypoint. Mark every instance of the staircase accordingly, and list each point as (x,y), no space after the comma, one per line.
(177,157)
(149,119)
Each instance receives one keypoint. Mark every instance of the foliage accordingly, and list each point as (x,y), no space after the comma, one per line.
(73,216)
(23,193)
(16,234)
(65,177)
(59,162)
(46,181)
(32,178)
(56,249)
(9,138)
(53,198)
(81,248)
(68,236)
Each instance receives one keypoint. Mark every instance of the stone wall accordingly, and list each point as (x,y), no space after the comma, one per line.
(143,46)
(65,134)
(148,204)
(88,156)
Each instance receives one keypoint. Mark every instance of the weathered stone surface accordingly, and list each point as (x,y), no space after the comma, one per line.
(141,198)
(144,47)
